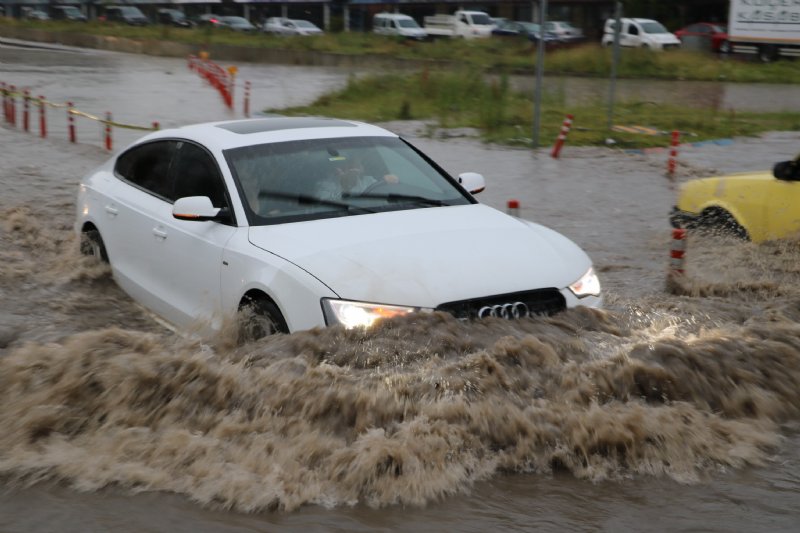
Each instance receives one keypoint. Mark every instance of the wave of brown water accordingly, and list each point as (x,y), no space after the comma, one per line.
(94,394)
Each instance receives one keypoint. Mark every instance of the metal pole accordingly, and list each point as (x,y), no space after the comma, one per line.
(614,63)
(537,98)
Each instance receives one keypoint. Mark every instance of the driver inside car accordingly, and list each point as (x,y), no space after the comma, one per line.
(350,178)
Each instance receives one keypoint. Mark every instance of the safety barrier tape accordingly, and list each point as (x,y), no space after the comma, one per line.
(7,93)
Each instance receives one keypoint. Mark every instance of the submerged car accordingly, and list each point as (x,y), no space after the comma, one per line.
(758,206)
(314,222)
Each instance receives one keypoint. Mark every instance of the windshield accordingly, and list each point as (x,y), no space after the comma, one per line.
(131,11)
(407,23)
(530,27)
(481,19)
(303,24)
(71,11)
(653,27)
(322,178)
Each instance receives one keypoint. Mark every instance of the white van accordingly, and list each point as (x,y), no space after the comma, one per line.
(399,25)
(640,33)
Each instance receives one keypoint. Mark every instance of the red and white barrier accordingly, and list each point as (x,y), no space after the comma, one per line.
(673,152)
(26,108)
(73,137)
(42,118)
(108,131)
(677,252)
(562,136)
(246,109)
(512,208)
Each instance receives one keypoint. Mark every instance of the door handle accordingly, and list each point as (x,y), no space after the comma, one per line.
(160,233)
(112,210)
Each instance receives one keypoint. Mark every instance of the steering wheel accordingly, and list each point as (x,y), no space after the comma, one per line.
(387,181)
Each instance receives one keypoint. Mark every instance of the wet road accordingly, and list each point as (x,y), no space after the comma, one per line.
(664,412)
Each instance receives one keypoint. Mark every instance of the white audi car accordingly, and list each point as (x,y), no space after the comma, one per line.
(311,222)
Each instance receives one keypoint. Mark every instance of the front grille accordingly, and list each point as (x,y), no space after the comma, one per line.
(536,302)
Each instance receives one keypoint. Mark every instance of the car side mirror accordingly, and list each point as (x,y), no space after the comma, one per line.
(472,182)
(195,208)
(787,170)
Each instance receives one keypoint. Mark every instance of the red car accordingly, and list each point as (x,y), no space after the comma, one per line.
(705,36)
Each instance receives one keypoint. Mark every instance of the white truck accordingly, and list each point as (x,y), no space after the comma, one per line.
(769,28)
(464,24)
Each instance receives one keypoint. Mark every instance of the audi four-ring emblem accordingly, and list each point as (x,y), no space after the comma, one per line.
(507,311)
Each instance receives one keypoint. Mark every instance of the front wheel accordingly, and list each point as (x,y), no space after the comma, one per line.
(92,245)
(259,317)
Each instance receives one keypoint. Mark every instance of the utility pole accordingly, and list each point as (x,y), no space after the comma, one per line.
(537,98)
(614,63)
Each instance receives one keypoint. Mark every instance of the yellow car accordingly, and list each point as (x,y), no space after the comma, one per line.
(758,206)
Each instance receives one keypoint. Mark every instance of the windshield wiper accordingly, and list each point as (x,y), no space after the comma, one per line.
(394,197)
(307,199)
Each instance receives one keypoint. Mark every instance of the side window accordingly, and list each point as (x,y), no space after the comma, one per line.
(633,29)
(147,166)
(196,174)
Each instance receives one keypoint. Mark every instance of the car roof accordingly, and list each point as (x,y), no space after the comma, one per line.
(247,132)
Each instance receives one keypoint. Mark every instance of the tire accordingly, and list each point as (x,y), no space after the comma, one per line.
(766,53)
(259,317)
(725,47)
(721,223)
(92,245)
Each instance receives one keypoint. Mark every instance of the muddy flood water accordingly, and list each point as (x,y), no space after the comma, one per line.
(669,410)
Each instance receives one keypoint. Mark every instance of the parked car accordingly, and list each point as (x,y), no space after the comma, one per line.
(529,30)
(640,33)
(130,15)
(563,30)
(208,19)
(285,26)
(398,25)
(753,205)
(174,17)
(314,222)
(461,24)
(36,14)
(236,24)
(705,36)
(67,13)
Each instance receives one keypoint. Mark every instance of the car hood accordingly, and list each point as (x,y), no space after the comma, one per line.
(426,257)
(698,193)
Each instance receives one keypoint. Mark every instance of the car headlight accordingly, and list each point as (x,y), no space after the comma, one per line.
(360,314)
(587,285)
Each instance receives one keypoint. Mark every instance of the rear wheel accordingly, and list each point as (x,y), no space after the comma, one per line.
(725,47)
(92,245)
(767,53)
(259,317)
(722,223)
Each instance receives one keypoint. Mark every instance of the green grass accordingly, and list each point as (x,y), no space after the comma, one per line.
(467,98)
(495,54)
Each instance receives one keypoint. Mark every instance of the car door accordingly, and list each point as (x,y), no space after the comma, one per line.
(134,201)
(783,209)
(187,255)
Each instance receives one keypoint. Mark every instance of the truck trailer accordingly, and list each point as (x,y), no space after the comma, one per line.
(768,28)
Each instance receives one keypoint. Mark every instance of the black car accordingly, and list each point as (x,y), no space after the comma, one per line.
(518,28)
(174,17)
(127,15)
(67,13)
